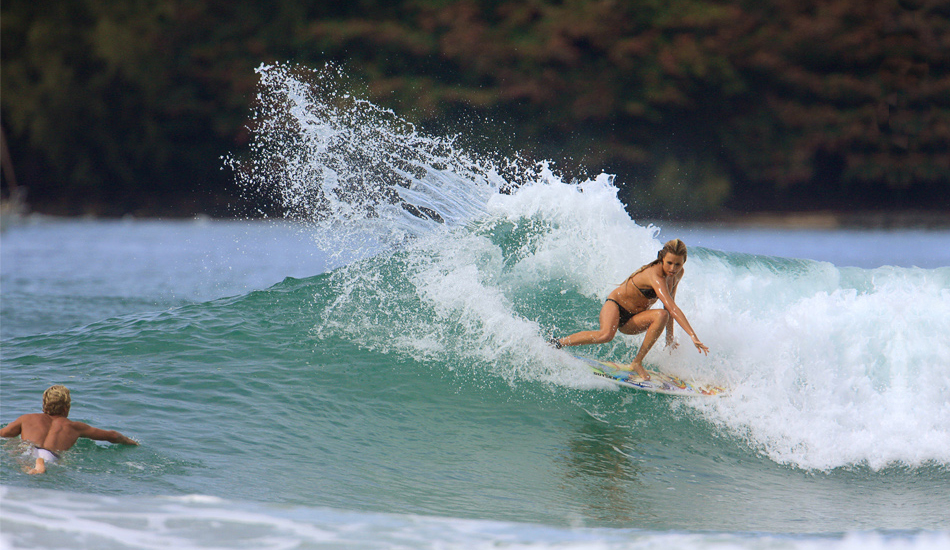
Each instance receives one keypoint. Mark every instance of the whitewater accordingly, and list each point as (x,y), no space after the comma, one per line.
(831,366)
(372,371)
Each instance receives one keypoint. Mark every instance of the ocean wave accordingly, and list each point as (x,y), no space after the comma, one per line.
(829,366)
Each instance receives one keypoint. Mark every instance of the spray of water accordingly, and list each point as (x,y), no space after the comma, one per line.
(354,168)
(829,367)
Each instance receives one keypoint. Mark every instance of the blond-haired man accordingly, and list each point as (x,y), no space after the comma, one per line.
(51,432)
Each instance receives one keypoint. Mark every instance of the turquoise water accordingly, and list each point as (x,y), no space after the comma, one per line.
(376,376)
(364,391)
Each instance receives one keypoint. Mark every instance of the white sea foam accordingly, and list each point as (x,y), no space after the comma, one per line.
(827,371)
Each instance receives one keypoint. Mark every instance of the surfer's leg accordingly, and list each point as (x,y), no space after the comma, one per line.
(653,321)
(609,319)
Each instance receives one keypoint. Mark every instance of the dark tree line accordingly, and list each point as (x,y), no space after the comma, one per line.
(115,106)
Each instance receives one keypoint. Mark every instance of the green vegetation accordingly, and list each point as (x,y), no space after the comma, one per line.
(117,106)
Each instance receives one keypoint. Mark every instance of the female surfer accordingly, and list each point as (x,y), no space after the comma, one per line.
(627,308)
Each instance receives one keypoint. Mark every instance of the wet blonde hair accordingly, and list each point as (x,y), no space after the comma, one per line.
(56,401)
(675,246)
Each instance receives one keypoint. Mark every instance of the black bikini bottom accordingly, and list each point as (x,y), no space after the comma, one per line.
(625,315)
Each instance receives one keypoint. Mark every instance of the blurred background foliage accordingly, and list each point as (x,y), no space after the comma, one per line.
(699,106)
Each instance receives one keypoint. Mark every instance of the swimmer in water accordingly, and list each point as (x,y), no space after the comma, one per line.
(51,432)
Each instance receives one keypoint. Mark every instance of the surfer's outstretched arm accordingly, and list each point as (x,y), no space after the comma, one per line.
(663,293)
(670,340)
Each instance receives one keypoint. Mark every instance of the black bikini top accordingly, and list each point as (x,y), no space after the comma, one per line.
(647,292)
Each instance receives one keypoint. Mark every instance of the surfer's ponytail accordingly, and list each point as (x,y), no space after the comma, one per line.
(675,246)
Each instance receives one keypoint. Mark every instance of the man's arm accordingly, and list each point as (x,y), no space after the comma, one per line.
(112,436)
(12,429)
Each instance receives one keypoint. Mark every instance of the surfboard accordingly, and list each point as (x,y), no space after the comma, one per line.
(659,382)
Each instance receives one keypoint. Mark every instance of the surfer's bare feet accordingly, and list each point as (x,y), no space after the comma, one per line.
(638,368)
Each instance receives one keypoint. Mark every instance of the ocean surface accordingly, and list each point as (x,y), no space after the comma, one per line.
(373,373)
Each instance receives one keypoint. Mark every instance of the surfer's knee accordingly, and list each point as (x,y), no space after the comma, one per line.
(658,317)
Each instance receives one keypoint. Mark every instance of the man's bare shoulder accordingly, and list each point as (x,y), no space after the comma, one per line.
(64,423)
(31,427)
(63,420)
(31,420)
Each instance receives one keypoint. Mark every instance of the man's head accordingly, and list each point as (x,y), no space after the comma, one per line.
(56,401)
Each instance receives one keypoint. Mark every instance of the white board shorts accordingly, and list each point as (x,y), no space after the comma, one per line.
(48,456)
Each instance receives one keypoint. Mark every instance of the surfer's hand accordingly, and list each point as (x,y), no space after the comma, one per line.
(700,346)
(672,344)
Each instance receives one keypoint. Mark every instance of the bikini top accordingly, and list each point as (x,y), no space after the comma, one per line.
(647,292)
